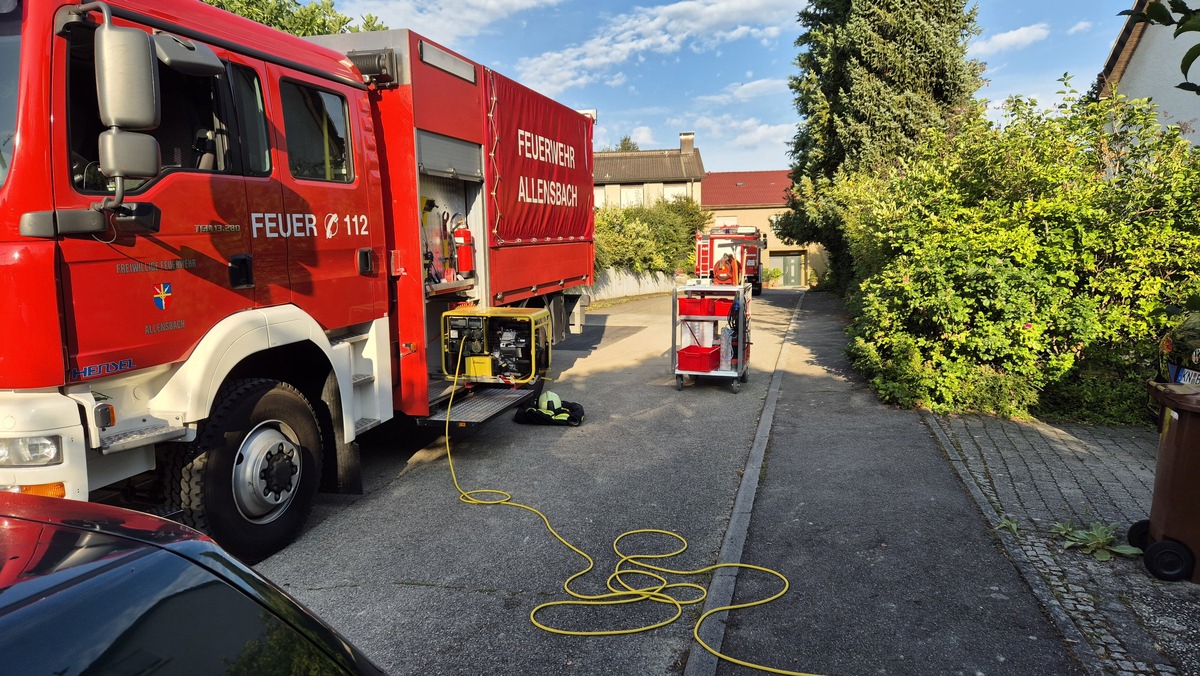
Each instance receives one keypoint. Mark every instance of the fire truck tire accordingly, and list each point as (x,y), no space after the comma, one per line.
(169,461)
(255,469)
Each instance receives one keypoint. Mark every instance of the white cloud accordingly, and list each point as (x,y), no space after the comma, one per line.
(744,91)
(600,138)
(643,136)
(1010,41)
(745,133)
(1081,27)
(445,22)
(616,80)
(733,143)
(696,25)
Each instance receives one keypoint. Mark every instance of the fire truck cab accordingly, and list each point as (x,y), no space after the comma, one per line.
(225,258)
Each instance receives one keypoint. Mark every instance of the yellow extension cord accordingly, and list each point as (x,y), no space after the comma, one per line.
(637,565)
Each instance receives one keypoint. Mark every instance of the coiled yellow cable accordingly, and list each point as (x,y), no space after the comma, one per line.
(627,565)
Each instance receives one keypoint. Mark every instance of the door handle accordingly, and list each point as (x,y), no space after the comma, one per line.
(366,262)
(241,271)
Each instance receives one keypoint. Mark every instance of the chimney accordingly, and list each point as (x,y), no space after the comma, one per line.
(687,142)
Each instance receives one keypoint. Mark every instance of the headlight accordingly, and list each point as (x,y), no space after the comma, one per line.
(30,451)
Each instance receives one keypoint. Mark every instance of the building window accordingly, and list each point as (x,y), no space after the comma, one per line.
(598,195)
(670,192)
(631,197)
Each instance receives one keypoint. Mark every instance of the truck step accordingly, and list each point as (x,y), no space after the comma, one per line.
(363,424)
(481,405)
(124,441)
(350,339)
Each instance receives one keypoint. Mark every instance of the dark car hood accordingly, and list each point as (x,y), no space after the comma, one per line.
(62,550)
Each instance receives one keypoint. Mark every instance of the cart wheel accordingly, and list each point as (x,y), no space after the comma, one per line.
(744,376)
(1169,560)
(678,383)
(737,385)
(1138,534)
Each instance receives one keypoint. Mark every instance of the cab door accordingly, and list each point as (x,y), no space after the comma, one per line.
(331,226)
(137,298)
(263,163)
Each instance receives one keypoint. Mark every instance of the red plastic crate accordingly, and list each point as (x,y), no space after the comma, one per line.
(696,358)
(722,306)
(695,306)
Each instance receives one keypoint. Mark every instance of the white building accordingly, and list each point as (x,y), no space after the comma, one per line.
(1144,63)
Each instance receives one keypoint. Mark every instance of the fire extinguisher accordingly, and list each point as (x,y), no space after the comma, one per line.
(464,244)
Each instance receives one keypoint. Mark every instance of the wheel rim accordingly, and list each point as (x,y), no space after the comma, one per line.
(266,472)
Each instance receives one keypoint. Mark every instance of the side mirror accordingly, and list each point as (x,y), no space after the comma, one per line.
(126,78)
(128,96)
(128,154)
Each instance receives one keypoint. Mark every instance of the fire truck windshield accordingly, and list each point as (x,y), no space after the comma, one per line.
(10,54)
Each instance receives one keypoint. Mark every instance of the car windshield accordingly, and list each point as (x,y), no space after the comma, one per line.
(10,54)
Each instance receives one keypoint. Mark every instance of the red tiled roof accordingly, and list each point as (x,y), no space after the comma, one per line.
(745,189)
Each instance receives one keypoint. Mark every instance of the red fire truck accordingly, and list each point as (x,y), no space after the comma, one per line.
(747,245)
(228,252)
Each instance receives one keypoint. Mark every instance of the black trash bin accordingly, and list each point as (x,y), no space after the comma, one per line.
(1171,537)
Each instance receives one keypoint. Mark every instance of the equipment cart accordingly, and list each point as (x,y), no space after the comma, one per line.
(711,335)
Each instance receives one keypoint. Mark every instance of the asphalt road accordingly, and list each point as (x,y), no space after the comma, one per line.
(894,570)
(424,583)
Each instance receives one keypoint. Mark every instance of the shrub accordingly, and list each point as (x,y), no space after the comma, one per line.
(1025,267)
(659,238)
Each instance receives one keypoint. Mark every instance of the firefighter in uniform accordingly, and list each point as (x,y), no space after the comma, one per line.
(726,271)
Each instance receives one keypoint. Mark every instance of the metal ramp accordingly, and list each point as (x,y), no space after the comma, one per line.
(480,405)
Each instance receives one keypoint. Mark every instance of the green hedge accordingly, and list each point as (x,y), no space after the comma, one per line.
(659,238)
(1025,267)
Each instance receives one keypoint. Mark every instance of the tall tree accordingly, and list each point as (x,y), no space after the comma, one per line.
(625,145)
(314,18)
(872,77)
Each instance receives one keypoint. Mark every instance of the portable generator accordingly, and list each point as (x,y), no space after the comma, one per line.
(497,345)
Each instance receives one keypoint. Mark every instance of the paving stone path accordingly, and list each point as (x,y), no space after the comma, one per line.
(1034,476)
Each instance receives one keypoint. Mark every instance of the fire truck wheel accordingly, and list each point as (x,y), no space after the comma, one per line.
(169,461)
(251,482)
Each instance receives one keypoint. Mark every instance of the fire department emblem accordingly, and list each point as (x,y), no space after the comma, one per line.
(162,296)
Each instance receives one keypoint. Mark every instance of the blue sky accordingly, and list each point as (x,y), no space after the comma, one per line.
(719,68)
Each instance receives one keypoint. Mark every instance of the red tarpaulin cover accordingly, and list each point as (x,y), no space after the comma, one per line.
(539,167)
